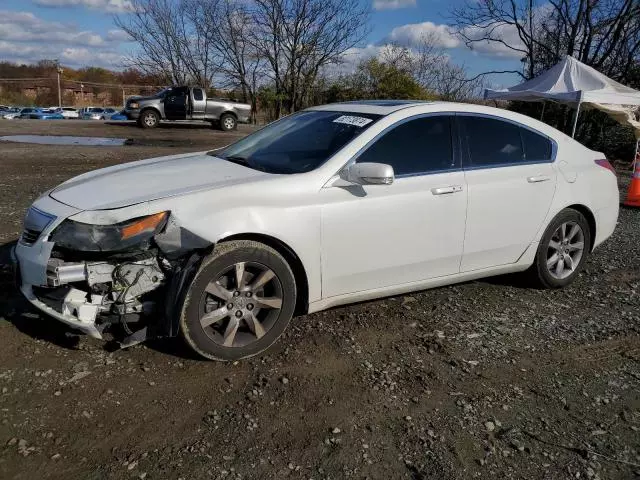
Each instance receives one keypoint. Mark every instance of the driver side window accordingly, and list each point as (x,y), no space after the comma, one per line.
(419,146)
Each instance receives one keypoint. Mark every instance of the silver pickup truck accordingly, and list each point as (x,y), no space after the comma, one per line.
(186,103)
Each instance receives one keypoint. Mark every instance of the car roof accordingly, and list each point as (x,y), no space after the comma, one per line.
(380,107)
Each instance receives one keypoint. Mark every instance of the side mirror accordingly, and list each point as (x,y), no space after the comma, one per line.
(368,174)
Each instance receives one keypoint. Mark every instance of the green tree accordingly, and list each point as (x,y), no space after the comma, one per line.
(375,79)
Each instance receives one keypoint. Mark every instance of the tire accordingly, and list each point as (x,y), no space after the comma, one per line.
(149,119)
(228,122)
(215,287)
(549,270)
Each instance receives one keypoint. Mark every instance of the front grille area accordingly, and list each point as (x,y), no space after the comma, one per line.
(29,236)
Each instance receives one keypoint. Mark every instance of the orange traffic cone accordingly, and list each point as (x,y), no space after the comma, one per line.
(633,195)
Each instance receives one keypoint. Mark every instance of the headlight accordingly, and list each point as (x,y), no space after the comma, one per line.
(134,105)
(108,238)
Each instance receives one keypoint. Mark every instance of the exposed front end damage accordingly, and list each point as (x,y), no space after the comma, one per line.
(130,295)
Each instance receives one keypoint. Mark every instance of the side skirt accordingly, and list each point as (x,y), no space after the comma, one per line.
(525,261)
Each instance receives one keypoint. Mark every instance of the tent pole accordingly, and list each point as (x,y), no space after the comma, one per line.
(575,121)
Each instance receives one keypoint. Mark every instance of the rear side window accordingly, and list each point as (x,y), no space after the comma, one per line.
(536,146)
(197,94)
(418,146)
(491,142)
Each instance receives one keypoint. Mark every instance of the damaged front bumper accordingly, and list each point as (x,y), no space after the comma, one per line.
(74,313)
(137,291)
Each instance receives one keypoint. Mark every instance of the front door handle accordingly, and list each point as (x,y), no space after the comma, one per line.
(446,190)
(538,179)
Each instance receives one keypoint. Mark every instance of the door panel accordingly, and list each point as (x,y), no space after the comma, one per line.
(378,236)
(511,182)
(505,211)
(199,103)
(176,103)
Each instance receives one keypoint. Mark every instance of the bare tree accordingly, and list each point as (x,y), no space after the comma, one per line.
(229,24)
(602,33)
(170,42)
(299,37)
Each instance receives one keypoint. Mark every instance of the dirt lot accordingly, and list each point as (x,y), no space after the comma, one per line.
(487,379)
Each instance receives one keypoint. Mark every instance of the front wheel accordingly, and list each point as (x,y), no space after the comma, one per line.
(563,250)
(228,122)
(149,119)
(240,301)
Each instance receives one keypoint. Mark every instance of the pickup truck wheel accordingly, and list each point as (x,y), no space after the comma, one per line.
(149,119)
(240,301)
(228,122)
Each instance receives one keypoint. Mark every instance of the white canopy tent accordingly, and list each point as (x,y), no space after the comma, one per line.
(574,83)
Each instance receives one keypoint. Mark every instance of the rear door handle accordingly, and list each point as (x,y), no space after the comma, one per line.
(446,190)
(538,179)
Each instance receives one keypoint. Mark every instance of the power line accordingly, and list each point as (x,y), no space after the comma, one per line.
(83,82)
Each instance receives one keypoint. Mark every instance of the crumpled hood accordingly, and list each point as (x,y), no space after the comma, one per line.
(130,183)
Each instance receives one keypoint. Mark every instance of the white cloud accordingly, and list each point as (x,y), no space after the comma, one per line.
(109,6)
(84,56)
(26,38)
(352,57)
(442,35)
(17,33)
(507,33)
(392,4)
(118,36)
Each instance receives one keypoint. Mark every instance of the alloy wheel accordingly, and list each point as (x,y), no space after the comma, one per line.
(149,119)
(565,250)
(228,123)
(241,305)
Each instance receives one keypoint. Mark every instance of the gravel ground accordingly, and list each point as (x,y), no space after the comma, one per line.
(487,379)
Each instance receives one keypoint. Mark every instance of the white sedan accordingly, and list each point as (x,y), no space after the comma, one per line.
(68,112)
(332,205)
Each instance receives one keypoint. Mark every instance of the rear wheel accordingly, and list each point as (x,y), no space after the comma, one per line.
(240,301)
(228,122)
(149,119)
(563,250)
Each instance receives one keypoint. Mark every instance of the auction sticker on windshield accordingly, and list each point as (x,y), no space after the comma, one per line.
(350,120)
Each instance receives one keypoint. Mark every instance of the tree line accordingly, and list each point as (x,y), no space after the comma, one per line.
(283,55)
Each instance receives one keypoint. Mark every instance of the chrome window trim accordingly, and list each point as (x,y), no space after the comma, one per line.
(456,157)
(466,160)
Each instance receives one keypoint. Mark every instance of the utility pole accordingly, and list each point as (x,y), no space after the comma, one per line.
(82,94)
(59,70)
(124,100)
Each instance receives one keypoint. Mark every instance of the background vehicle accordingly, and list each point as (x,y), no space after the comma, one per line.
(47,114)
(28,111)
(332,205)
(186,103)
(12,113)
(68,112)
(94,113)
(119,116)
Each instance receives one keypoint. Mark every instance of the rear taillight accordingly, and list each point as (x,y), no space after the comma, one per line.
(604,163)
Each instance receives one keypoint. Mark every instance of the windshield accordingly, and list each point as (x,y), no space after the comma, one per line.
(298,143)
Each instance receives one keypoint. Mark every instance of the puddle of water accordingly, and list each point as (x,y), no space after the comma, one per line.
(64,140)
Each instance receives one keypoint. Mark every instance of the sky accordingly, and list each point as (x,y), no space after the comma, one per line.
(82,33)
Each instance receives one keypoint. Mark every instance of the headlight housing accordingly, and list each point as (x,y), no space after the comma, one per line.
(86,237)
(134,105)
